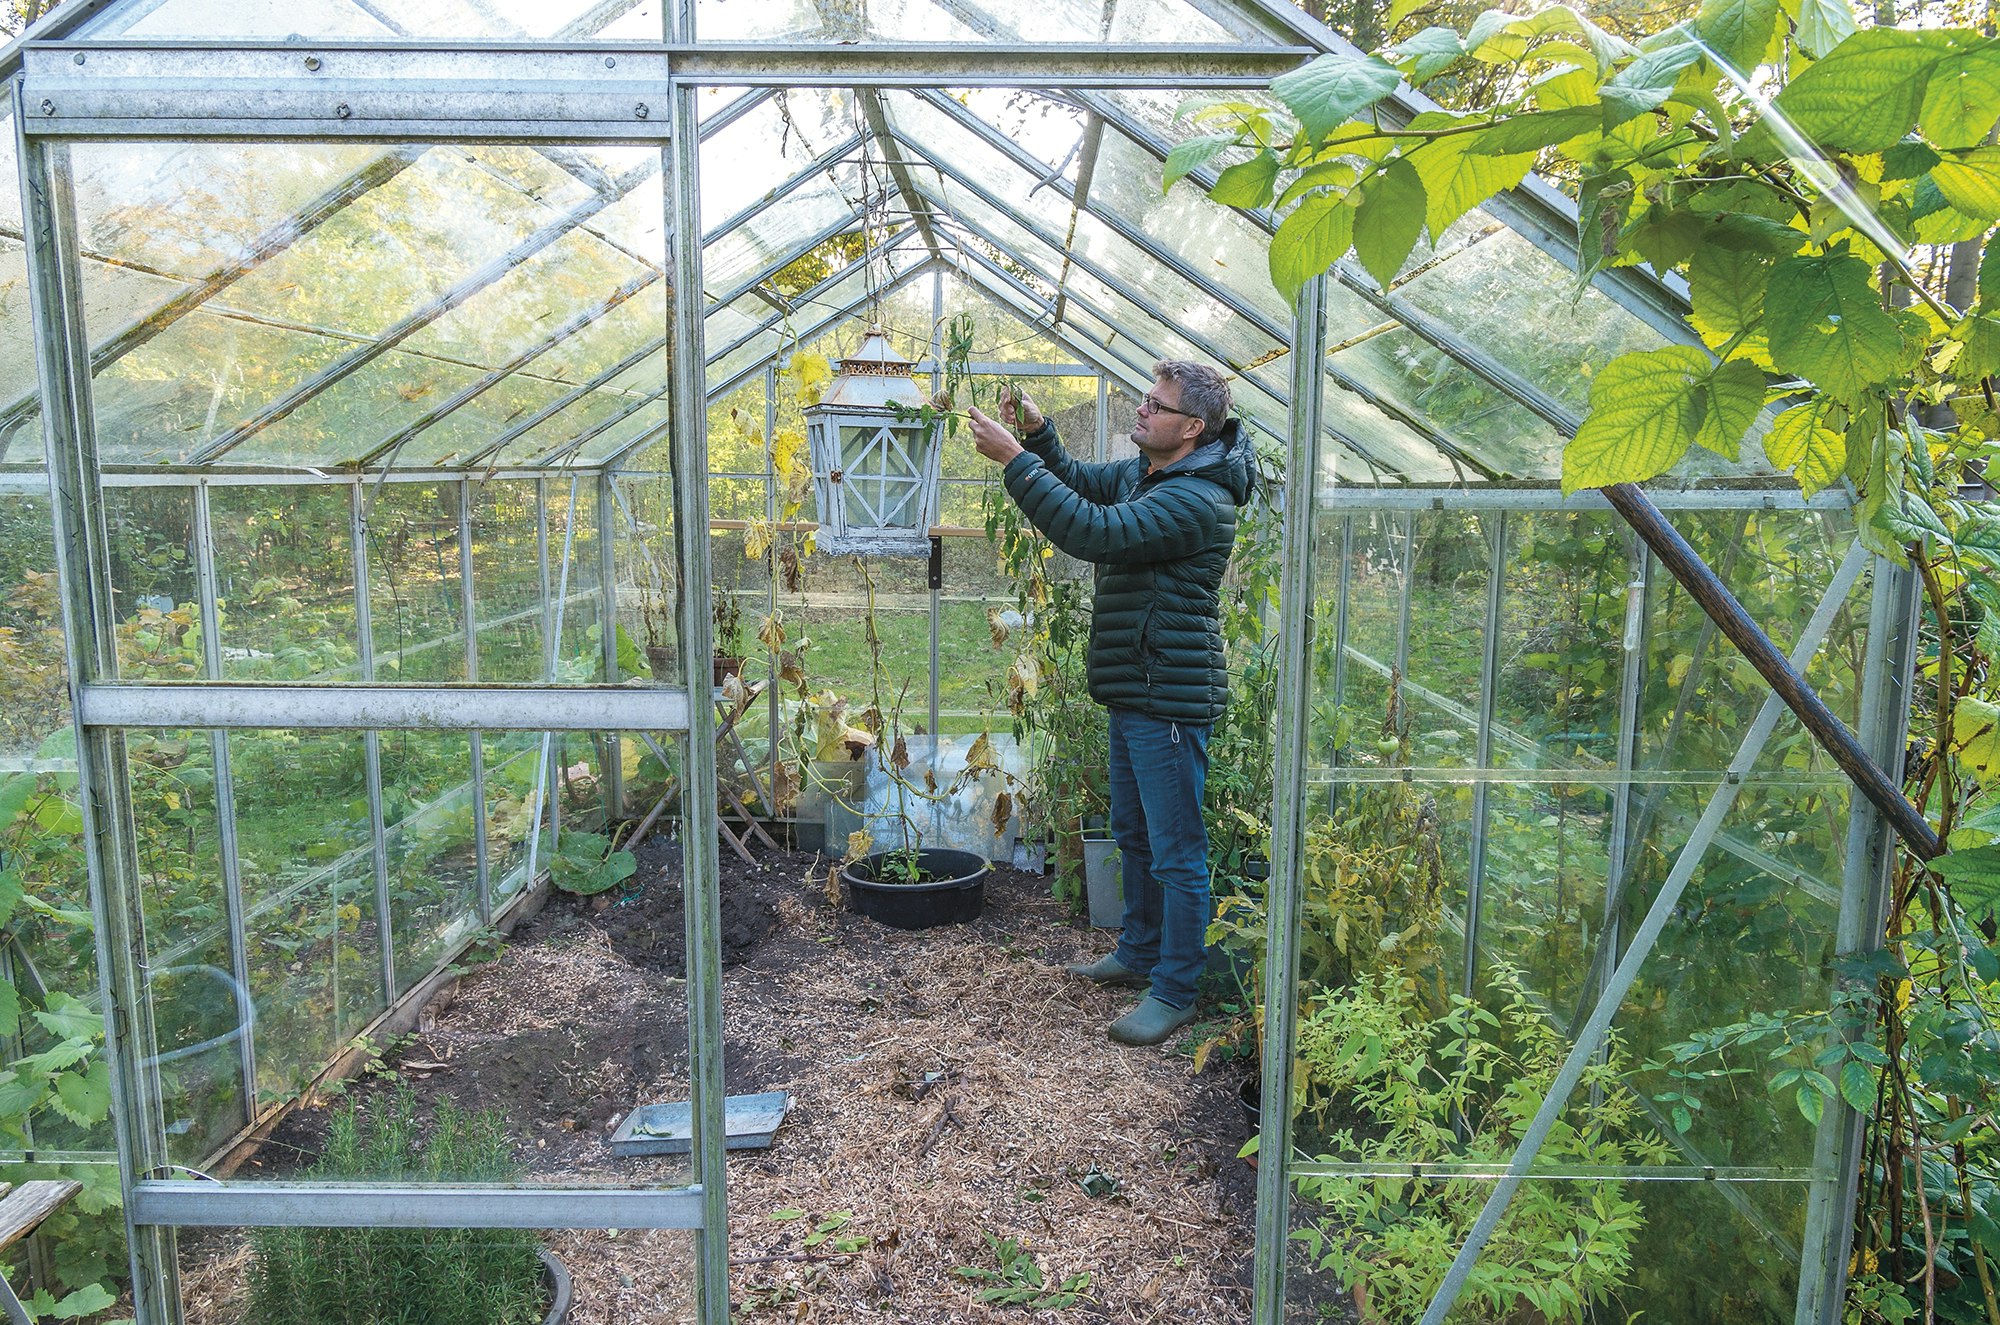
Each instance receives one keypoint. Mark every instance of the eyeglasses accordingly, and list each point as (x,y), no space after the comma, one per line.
(1152,405)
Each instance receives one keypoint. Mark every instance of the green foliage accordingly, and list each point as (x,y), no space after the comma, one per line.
(1018,1281)
(1680,163)
(1791,166)
(584,863)
(1381,1080)
(330,1276)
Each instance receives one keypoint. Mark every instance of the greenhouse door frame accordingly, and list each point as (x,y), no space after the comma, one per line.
(624,93)
(1862,897)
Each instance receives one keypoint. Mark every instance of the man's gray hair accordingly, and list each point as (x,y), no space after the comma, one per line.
(1204,392)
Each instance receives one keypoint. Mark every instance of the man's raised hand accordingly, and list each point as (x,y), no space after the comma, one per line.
(994,442)
(1018,412)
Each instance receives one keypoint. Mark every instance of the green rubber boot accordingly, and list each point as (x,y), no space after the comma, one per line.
(1107,970)
(1150,1023)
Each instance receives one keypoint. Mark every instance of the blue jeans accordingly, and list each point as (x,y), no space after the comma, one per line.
(1158,769)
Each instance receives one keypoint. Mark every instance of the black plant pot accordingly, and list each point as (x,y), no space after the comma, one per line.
(559,1288)
(958,895)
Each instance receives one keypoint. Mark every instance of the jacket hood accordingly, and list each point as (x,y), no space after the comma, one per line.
(1224,461)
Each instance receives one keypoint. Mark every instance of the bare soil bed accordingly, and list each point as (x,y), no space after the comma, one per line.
(947,1085)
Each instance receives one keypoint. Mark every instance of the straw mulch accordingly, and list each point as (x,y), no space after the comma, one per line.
(949,1087)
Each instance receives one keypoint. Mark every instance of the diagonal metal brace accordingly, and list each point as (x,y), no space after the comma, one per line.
(1707,589)
(1591,1037)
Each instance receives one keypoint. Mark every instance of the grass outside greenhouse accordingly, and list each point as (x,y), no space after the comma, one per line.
(457,629)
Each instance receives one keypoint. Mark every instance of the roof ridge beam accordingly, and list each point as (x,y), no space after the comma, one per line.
(899,171)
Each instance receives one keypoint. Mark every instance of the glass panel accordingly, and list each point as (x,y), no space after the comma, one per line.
(786,228)
(349,20)
(284,577)
(316,1276)
(415,598)
(34,686)
(382,306)
(509,593)
(305,846)
(430,805)
(1574,854)
(747,159)
(153,582)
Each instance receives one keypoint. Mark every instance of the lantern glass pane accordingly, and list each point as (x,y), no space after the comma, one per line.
(883,483)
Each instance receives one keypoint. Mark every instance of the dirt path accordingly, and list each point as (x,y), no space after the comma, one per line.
(948,1086)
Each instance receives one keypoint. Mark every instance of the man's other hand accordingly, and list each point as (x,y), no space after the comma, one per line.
(1018,412)
(994,442)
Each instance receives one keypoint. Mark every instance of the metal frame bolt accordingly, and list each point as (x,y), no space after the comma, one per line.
(344,111)
(312,64)
(642,110)
(48,107)
(78,57)
(610,62)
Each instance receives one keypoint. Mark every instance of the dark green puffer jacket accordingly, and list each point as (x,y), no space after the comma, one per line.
(1160,543)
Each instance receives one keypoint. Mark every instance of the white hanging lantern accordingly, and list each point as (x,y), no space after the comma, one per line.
(875,465)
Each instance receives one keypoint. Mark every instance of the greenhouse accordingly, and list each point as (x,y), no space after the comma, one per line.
(402,423)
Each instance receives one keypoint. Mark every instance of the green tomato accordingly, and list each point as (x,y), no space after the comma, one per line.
(1388,745)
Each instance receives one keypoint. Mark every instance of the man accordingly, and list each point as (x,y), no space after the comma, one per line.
(1158,528)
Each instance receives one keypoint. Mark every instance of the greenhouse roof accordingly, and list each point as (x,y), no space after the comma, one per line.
(348,299)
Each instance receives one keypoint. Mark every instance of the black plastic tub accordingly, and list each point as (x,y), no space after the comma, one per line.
(958,895)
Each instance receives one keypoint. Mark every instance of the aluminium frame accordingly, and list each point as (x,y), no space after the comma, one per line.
(64,365)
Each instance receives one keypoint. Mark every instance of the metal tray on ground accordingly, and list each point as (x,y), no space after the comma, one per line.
(749,1122)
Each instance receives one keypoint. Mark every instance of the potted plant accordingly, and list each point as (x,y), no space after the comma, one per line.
(727,614)
(910,885)
(443,1276)
(656,618)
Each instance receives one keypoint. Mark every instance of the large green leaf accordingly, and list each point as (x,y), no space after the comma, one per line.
(1825,322)
(1314,237)
(15,791)
(1726,286)
(1337,176)
(1739,31)
(20,1095)
(1191,155)
(1248,183)
(1980,335)
(1824,24)
(1534,131)
(1732,398)
(69,1017)
(1428,52)
(1799,440)
(1974,875)
(1665,236)
(85,1301)
(84,1097)
(1962,97)
(1334,89)
(1970,181)
(1644,412)
(1456,179)
(1388,220)
(1989,276)
(1864,96)
(1646,83)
